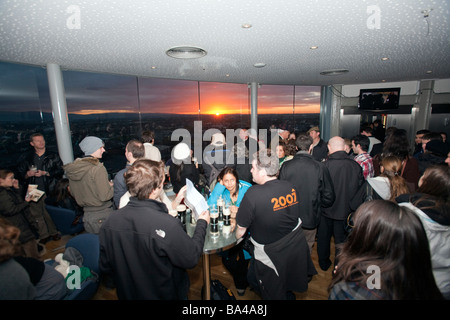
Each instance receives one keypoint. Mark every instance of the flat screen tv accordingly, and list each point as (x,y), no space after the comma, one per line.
(379,99)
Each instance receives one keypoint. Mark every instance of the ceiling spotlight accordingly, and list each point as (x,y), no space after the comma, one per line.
(246,26)
(429,71)
(334,72)
(186,52)
(259,65)
(314,47)
(384,59)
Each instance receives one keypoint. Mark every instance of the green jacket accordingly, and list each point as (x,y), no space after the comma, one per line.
(89,185)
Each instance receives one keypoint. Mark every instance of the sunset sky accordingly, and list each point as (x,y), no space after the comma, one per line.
(25,88)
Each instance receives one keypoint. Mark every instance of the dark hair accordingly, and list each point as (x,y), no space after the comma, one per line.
(392,238)
(363,141)
(148,136)
(397,144)
(432,136)
(303,142)
(136,148)
(229,170)
(367,129)
(61,190)
(143,177)
(4,173)
(435,186)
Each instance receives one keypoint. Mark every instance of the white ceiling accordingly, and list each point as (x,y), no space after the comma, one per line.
(131,37)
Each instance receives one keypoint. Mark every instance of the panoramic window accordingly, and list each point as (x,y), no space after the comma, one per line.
(118,108)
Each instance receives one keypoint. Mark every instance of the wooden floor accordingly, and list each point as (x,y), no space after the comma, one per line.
(317,289)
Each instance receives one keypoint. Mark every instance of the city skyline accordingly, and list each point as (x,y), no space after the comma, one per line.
(25,88)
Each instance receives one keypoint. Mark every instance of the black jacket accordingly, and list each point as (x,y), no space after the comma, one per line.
(314,186)
(50,163)
(147,251)
(16,211)
(320,151)
(347,177)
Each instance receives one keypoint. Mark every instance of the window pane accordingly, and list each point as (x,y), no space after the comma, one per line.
(24,109)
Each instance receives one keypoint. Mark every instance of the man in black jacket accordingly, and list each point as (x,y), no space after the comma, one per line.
(40,166)
(313,183)
(143,247)
(347,177)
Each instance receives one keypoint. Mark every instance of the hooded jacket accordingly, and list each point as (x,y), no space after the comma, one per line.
(89,185)
(437,228)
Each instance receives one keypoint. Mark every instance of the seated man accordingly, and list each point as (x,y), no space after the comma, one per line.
(145,249)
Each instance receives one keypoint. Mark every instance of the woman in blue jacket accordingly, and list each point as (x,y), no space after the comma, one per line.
(232,191)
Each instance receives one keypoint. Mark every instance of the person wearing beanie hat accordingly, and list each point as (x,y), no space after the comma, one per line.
(182,167)
(92,146)
(89,184)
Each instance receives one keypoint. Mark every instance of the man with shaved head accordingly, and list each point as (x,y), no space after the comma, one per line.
(347,177)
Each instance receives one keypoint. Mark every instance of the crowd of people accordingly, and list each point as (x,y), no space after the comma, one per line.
(385,206)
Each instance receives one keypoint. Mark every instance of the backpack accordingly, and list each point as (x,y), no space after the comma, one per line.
(220,292)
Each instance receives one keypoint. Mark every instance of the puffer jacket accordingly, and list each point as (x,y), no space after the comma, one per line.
(89,185)
(16,211)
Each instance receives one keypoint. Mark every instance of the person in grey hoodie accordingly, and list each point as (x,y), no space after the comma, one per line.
(89,185)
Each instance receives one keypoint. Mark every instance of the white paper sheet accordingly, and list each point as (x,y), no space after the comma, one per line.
(194,200)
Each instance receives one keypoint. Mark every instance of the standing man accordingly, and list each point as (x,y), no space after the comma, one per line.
(89,185)
(145,249)
(313,183)
(347,178)
(320,149)
(42,168)
(281,260)
(360,146)
(151,152)
(134,150)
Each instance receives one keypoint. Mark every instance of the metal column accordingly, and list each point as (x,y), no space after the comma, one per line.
(254,106)
(59,108)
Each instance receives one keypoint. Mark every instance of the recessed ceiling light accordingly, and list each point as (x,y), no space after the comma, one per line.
(384,59)
(186,52)
(314,47)
(429,71)
(259,65)
(246,26)
(153,67)
(334,72)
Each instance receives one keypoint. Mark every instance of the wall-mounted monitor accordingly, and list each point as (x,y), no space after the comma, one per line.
(379,99)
